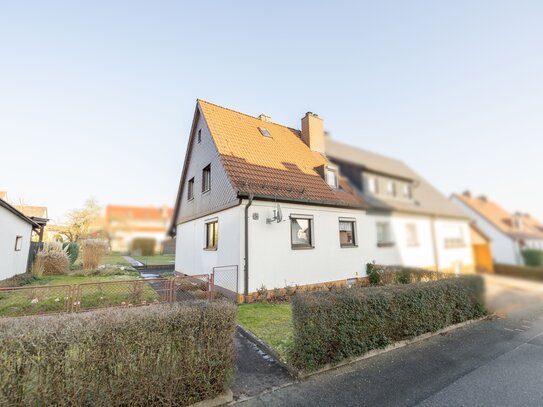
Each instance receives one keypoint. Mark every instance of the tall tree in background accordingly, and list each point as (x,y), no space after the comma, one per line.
(82,222)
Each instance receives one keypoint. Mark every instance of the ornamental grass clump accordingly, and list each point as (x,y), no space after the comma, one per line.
(163,355)
(51,260)
(93,250)
(332,326)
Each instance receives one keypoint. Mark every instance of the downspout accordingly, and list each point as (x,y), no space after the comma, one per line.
(246,265)
(434,243)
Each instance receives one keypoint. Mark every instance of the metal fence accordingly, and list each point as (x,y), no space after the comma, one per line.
(226,282)
(55,299)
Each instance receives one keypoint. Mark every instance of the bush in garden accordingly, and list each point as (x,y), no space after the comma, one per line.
(72,251)
(143,245)
(168,355)
(51,260)
(387,275)
(93,250)
(532,257)
(332,326)
(530,273)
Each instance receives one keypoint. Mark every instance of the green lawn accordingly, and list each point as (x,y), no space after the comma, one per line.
(154,260)
(44,295)
(270,322)
(114,258)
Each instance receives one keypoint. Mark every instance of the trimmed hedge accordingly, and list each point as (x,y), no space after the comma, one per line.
(161,355)
(332,326)
(533,257)
(530,273)
(387,275)
(144,245)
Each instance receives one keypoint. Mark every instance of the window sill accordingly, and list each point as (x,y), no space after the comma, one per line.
(456,246)
(302,247)
(210,249)
(348,246)
(206,191)
(385,244)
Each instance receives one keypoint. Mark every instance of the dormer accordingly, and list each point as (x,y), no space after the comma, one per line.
(387,186)
(330,173)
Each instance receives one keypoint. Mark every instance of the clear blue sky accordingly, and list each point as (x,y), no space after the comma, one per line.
(97,97)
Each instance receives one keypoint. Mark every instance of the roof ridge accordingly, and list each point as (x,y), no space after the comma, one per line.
(244,114)
(368,151)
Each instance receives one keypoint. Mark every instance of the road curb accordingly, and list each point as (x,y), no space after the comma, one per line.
(300,375)
(220,400)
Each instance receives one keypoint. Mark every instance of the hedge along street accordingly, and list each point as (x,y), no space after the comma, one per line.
(332,326)
(167,354)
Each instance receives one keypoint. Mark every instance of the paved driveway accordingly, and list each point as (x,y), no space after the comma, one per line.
(492,363)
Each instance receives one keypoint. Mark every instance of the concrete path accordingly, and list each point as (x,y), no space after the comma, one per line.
(492,363)
(255,371)
(133,262)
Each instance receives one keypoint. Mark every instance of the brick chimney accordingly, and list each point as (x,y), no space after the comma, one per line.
(313,132)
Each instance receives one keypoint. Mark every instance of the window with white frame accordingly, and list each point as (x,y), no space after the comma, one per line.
(301,232)
(332,177)
(407,191)
(212,235)
(454,237)
(347,233)
(372,185)
(411,234)
(384,235)
(391,187)
(18,243)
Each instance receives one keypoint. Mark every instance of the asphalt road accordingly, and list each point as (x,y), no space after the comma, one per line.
(492,363)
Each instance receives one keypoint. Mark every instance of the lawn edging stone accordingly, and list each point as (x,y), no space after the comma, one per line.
(225,398)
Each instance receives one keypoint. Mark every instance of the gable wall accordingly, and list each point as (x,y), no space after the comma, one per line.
(222,193)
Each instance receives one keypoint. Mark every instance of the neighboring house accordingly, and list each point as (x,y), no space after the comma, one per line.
(482,249)
(510,233)
(265,198)
(415,225)
(126,223)
(38,214)
(15,236)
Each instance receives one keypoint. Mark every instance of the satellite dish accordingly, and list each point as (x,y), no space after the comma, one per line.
(279,215)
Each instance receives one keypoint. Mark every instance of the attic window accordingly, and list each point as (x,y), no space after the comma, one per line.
(199,136)
(265,132)
(331,177)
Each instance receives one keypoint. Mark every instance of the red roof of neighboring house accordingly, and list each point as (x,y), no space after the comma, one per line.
(142,213)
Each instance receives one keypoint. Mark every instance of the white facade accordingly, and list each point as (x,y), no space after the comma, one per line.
(504,248)
(275,264)
(272,260)
(420,252)
(13,261)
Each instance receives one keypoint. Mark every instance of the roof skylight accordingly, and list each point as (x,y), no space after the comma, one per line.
(265,132)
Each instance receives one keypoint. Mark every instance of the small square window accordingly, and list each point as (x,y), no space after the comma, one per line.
(206,178)
(199,136)
(212,235)
(301,233)
(18,243)
(347,237)
(190,189)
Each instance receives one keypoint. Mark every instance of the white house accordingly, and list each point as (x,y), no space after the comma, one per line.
(15,235)
(509,233)
(412,222)
(276,203)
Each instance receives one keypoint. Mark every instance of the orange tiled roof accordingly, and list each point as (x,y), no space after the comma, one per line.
(503,220)
(281,166)
(33,211)
(142,213)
